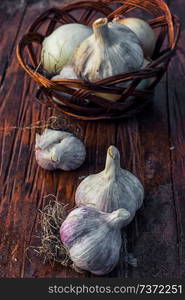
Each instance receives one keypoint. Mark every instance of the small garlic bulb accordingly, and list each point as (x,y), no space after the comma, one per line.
(68,73)
(143,31)
(112,188)
(59,150)
(58,48)
(112,49)
(93,238)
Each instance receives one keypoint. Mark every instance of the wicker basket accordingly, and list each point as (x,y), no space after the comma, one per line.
(131,99)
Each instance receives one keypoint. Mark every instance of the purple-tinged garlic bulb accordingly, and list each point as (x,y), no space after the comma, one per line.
(93,238)
(56,149)
(112,188)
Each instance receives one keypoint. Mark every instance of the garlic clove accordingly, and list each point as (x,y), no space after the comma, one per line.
(59,47)
(112,188)
(110,50)
(56,149)
(143,31)
(93,238)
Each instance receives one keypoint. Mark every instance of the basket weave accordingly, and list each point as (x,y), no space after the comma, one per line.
(86,12)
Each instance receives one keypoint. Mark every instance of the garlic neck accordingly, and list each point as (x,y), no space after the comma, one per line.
(112,165)
(101,30)
(117,218)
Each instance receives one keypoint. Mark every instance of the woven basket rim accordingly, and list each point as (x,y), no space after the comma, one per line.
(156,68)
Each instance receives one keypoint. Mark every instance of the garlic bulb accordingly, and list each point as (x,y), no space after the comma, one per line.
(142,85)
(58,48)
(112,188)
(59,150)
(68,73)
(143,31)
(93,238)
(110,50)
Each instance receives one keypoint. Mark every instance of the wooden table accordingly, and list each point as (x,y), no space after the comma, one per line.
(152,146)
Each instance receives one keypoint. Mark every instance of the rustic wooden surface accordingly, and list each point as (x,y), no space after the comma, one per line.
(152,146)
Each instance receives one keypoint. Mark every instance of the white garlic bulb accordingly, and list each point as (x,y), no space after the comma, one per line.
(93,238)
(112,49)
(58,48)
(68,73)
(143,31)
(112,188)
(56,149)
(142,85)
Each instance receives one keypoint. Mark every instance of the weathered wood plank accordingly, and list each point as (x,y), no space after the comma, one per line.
(24,183)
(20,198)
(10,22)
(175,87)
(143,153)
(156,236)
(144,142)
(177,114)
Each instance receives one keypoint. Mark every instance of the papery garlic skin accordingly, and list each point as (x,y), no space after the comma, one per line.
(93,238)
(143,31)
(112,49)
(112,188)
(68,72)
(59,47)
(59,150)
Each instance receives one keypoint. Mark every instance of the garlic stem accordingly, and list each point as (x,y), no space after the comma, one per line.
(100,28)
(112,165)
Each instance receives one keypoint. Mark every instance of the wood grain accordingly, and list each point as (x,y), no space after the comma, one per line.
(176,113)
(152,146)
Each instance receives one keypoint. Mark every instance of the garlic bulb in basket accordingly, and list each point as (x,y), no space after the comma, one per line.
(66,73)
(142,85)
(93,238)
(112,49)
(112,188)
(59,150)
(143,31)
(58,48)
(69,73)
